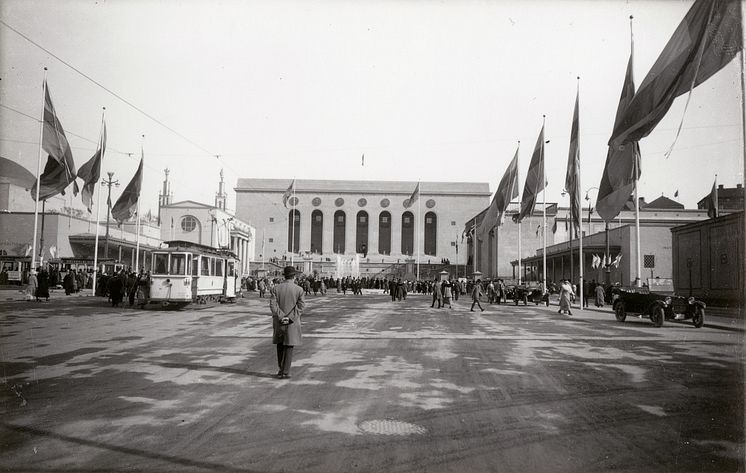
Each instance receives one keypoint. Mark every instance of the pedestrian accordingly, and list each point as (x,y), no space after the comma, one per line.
(586,292)
(447,292)
(287,308)
(33,286)
(437,295)
(262,287)
(476,293)
(43,289)
(600,295)
(491,292)
(565,294)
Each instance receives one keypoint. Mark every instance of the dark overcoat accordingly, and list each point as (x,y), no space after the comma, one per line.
(287,301)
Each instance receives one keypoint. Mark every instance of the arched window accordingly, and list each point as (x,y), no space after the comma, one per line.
(361,238)
(339,231)
(317,231)
(384,233)
(293,231)
(431,234)
(407,233)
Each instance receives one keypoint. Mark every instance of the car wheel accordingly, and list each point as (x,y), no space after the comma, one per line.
(658,316)
(699,317)
(620,312)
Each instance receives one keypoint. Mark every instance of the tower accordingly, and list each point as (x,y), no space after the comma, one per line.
(220,195)
(165,196)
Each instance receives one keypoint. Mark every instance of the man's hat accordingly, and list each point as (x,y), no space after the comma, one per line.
(288,271)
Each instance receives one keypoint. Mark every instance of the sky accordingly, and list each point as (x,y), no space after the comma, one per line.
(427,90)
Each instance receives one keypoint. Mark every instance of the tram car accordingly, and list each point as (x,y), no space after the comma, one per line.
(185,273)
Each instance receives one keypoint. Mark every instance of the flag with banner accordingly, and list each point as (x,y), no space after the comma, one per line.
(707,39)
(506,191)
(535,180)
(126,205)
(59,172)
(413,198)
(90,172)
(572,177)
(618,178)
(712,201)
(288,193)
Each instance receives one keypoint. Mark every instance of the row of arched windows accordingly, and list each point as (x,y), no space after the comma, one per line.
(362,244)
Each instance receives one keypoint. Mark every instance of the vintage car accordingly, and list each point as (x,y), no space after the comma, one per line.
(530,292)
(657,305)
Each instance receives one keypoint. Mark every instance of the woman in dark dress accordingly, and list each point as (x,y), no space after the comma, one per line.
(43,289)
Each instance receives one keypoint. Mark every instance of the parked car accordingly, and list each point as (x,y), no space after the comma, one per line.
(529,292)
(658,306)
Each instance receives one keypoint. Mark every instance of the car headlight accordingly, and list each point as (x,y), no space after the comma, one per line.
(668,301)
(690,300)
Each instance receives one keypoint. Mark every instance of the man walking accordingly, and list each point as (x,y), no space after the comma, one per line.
(287,306)
(476,293)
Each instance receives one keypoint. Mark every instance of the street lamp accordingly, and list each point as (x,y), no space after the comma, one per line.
(108,182)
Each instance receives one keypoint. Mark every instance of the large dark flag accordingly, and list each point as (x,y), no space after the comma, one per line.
(288,193)
(90,172)
(707,39)
(413,198)
(618,178)
(572,178)
(126,205)
(535,180)
(59,172)
(506,191)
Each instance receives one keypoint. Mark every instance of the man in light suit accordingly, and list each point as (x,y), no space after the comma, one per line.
(286,305)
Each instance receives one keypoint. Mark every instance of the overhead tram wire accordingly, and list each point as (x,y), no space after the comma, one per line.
(94,81)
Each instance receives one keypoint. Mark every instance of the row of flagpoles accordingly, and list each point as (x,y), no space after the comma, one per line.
(707,39)
(59,172)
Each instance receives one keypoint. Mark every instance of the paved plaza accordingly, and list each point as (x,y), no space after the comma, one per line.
(376,386)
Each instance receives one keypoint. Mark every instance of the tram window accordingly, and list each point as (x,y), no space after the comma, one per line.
(161,263)
(189,264)
(231,268)
(195,266)
(178,264)
(218,267)
(205,266)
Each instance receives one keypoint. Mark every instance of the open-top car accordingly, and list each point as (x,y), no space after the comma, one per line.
(529,292)
(658,302)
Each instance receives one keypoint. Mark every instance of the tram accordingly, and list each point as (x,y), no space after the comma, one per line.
(14,269)
(185,273)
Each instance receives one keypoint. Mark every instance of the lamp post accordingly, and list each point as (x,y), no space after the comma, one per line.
(108,183)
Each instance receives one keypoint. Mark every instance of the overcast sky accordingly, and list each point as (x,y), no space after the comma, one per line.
(437,91)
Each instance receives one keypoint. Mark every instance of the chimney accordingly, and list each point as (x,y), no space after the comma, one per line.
(721,186)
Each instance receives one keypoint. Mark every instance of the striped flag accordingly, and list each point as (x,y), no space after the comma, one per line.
(506,191)
(59,171)
(126,205)
(535,180)
(90,172)
(413,198)
(288,193)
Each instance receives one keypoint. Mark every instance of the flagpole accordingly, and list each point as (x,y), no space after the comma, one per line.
(518,181)
(292,230)
(419,227)
(38,170)
(544,196)
(638,278)
(98,206)
(137,222)
(579,230)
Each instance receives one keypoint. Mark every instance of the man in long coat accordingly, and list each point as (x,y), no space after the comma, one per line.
(287,306)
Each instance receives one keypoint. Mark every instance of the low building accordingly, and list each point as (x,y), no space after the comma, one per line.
(708,259)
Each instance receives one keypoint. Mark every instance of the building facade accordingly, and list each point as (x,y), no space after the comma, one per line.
(369,218)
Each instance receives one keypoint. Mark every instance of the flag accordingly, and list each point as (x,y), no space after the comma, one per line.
(554,227)
(535,180)
(676,194)
(712,201)
(91,171)
(53,251)
(362,163)
(288,193)
(572,181)
(59,172)
(28,250)
(593,262)
(617,260)
(537,230)
(126,205)
(413,198)
(506,191)
(707,39)
(618,179)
